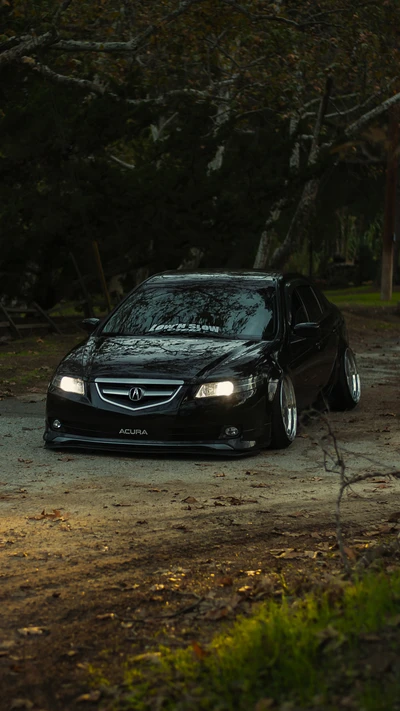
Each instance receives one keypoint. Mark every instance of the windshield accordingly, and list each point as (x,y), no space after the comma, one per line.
(222,310)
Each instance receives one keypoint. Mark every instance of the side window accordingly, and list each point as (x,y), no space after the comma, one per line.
(298,313)
(310,302)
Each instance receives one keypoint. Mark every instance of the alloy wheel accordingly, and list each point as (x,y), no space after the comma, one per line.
(288,409)
(352,375)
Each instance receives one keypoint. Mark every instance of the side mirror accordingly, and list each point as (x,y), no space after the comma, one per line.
(90,324)
(308,329)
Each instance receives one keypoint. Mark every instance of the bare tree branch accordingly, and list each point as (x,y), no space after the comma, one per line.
(261,16)
(334,462)
(64,5)
(27,47)
(101,89)
(340,10)
(163,98)
(62,78)
(131,46)
(13,41)
(358,107)
(355,127)
(131,166)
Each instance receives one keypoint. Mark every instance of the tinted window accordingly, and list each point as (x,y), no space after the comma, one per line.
(225,310)
(310,302)
(297,310)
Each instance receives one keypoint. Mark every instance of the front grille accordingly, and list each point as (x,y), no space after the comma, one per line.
(137,394)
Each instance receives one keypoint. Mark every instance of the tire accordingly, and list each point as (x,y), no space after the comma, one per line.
(284,415)
(346,392)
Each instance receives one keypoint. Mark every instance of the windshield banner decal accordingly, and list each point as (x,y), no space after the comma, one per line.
(190,327)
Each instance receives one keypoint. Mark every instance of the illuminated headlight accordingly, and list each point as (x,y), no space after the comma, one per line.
(226,387)
(69,384)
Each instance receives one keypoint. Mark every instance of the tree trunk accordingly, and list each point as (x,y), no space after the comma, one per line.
(300,219)
(390,207)
(308,197)
(264,243)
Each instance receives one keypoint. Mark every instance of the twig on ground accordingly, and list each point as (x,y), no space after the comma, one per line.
(335,463)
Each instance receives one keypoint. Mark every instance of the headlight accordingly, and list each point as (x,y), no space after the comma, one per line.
(242,387)
(226,387)
(69,384)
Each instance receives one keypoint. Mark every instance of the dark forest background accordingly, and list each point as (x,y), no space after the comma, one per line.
(181,134)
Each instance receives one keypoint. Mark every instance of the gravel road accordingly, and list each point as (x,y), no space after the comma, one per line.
(33,479)
(75,528)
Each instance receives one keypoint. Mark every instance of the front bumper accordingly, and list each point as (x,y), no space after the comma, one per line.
(227,447)
(192,427)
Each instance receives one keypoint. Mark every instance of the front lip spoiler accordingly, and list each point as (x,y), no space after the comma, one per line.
(235,447)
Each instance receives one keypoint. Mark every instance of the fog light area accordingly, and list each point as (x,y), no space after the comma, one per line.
(231,431)
(56,424)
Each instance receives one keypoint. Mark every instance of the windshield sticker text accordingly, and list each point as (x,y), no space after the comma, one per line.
(188,327)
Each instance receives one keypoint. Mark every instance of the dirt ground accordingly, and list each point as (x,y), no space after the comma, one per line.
(105,557)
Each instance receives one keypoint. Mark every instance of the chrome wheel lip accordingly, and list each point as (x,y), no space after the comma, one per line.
(288,409)
(352,375)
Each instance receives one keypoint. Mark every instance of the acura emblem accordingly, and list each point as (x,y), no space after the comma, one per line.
(136,394)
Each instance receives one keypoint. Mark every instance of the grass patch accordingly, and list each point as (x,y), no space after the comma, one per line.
(29,363)
(76,310)
(292,651)
(361,296)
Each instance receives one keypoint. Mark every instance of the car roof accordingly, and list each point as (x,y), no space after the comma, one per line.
(216,275)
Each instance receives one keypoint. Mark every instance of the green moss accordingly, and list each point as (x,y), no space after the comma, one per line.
(289,651)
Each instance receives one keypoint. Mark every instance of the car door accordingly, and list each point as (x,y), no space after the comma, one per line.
(301,354)
(327,336)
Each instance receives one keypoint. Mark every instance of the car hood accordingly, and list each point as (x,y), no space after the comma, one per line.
(172,357)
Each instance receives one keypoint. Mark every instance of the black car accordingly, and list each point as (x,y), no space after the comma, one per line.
(215,361)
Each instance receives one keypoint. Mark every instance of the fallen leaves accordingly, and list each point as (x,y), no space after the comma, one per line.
(291,534)
(190,500)
(54,515)
(199,651)
(232,501)
(6,646)
(297,553)
(224,581)
(91,696)
(21,704)
(152,657)
(286,553)
(264,704)
(33,631)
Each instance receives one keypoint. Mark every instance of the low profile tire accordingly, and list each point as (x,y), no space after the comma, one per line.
(284,415)
(346,392)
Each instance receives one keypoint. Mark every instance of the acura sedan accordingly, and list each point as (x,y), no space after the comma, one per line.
(208,361)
